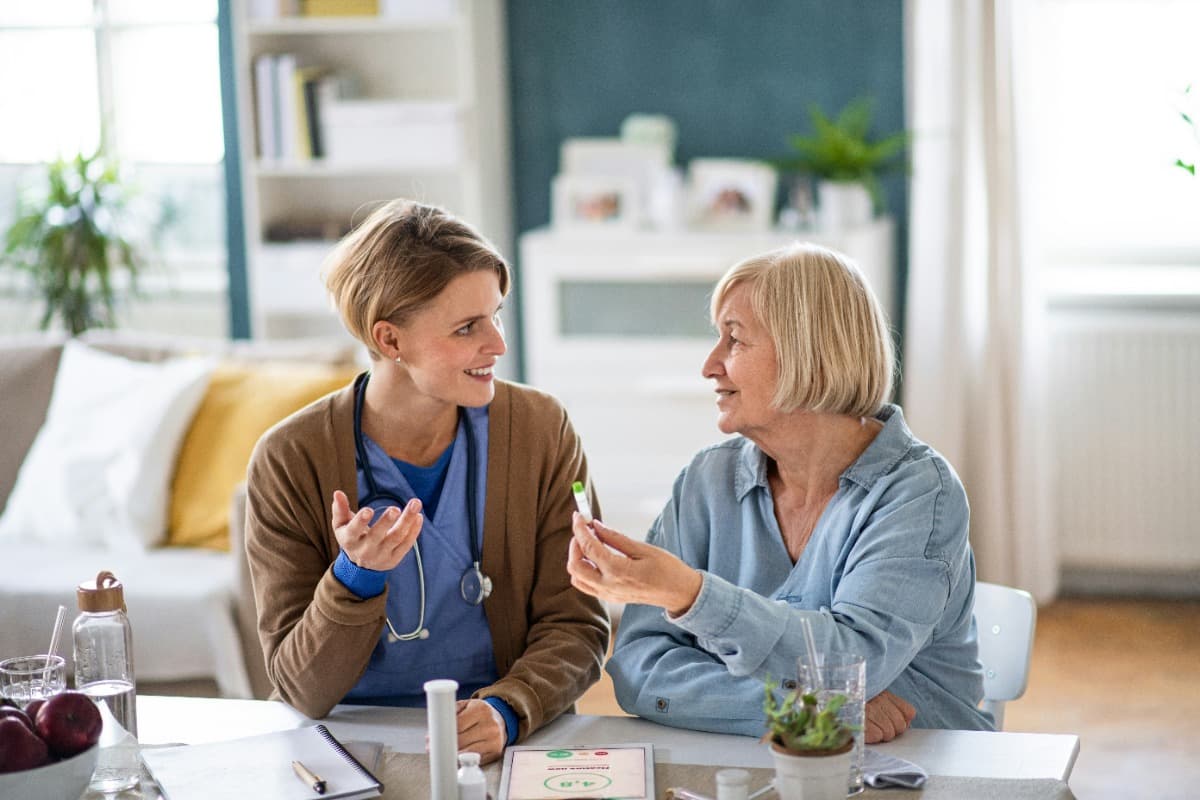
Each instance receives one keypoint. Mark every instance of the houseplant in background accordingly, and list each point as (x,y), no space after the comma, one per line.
(73,235)
(812,748)
(1189,111)
(846,163)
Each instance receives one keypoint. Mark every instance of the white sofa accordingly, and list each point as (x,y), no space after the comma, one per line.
(181,600)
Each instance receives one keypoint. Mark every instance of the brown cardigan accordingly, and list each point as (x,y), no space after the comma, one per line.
(317,636)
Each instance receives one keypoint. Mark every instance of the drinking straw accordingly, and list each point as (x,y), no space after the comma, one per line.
(810,644)
(54,637)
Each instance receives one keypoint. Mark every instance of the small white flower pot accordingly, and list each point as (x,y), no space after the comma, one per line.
(843,205)
(811,777)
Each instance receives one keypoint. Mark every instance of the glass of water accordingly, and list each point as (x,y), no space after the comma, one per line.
(840,673)
(27,678)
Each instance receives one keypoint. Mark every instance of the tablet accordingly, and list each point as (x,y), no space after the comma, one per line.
(596,771)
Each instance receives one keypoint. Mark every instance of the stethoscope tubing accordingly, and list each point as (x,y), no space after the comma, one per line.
(374,494)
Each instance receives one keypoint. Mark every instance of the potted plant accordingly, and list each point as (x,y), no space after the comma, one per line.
(71,238)
(1190,107)
(846,163)
(812,748)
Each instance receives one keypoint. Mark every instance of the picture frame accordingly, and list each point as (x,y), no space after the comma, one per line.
(731,194)
(596,202)
(598,155)
(645,163)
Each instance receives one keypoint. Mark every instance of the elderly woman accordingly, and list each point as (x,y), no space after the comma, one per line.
(414,524)
(825,508)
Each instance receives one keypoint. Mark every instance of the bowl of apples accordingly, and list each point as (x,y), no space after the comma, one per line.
(49,749)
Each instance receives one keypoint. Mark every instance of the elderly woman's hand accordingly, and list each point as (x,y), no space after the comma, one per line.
(613,567)
(888,716)
(380,546)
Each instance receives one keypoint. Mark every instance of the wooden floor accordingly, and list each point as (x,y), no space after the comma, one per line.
(1122,674)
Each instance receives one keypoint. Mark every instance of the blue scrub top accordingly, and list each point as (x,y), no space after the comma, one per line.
(460,643)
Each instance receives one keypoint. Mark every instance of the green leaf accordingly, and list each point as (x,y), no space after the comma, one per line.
(841,149)
(69,237)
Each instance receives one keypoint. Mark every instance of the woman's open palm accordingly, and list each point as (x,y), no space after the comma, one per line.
(379,546)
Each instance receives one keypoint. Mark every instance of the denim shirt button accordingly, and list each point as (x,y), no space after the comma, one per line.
(661,704)
(789,684)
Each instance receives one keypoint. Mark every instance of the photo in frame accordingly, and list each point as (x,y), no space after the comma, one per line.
(646,163)
(595,201)
(731,194)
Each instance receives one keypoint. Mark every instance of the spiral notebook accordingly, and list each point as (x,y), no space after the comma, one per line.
(261,767)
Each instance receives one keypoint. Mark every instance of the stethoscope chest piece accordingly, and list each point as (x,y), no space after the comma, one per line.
(475,586)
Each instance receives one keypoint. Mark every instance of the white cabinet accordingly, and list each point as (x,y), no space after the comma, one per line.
(616,326)
(436,91)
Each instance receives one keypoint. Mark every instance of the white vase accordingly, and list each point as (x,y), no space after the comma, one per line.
(842,205)
(815,777)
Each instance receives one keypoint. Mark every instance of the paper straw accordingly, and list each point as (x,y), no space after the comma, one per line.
(54,637)
(810,644)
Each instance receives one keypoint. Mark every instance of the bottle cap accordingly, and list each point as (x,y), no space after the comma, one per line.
(103,594)
(468,759)
(733,777)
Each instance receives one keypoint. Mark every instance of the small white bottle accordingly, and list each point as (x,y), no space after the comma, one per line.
(104,672)
(733,784)
(471,783)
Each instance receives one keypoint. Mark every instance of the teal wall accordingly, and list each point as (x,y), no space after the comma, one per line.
(737,77)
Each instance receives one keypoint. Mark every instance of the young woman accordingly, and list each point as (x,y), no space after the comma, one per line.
(414,524)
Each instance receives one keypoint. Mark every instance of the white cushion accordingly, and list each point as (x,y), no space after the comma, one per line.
(99,471)
(180,602)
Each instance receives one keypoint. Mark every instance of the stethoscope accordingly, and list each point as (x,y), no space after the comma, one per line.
(475,587)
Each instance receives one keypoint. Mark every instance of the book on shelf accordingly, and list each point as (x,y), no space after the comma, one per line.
(292,100)
(339,8)
(264,107)
(307,120)
(285,107)
(262,767)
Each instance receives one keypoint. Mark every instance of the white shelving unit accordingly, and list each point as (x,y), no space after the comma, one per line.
(459,59)
(616,326)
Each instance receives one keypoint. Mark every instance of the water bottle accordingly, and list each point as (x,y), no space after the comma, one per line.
(104,672)
(471,783)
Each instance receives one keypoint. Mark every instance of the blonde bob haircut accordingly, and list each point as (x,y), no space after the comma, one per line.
(831,336)
(398,260)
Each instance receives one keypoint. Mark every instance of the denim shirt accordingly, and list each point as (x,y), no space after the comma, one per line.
(887,573)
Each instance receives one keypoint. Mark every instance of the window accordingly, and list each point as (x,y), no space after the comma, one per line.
(1101,132)
(143,77)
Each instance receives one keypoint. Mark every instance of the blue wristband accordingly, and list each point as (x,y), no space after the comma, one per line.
(511,723)
(366,583)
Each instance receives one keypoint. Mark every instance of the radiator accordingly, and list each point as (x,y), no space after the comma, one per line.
(1125,399)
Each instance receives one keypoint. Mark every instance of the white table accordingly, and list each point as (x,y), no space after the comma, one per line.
(972,754)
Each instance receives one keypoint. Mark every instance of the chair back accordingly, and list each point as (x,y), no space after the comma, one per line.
(1005,618)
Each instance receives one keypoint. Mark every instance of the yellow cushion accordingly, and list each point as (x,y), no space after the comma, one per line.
(242,402)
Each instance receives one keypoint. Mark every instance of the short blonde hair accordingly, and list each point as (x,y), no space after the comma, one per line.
(398,260)
(830,333)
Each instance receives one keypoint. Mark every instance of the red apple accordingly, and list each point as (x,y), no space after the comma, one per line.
(69,722)
(33,707)
(20,748)
(16,713)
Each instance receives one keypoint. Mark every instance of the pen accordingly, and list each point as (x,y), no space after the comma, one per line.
(309,777)
(581,502)
(679,793)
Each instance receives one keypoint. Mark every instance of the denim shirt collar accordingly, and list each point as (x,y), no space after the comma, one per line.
(880,457)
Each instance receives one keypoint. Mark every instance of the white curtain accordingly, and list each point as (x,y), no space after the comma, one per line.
(974,383)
